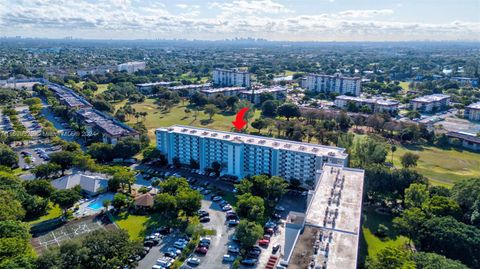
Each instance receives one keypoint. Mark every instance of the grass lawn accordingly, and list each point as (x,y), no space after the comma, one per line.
(157,118)
(404,85)
(442,166)
(53,213)
(101,89)
(370,244)
(138,226)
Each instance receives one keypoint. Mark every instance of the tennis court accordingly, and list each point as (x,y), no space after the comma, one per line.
(67,231)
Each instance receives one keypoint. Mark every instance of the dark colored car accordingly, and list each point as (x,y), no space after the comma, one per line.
(205,219)
(201,250)
(149,243)
(275,248)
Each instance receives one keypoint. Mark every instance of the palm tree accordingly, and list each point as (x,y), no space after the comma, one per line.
(393,148)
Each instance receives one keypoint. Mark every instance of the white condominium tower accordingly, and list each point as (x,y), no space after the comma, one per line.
(244,155)
(336,83)
(231,78)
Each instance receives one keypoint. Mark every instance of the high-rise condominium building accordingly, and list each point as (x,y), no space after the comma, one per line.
(231,78)
(243,155)
(336,83)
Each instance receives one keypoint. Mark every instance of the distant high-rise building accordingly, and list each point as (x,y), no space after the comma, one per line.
(231,78)
(131,67)
(336,83)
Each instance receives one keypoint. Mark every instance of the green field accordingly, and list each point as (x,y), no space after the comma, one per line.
(371,244)
(404,85)
(442,166)
(53,212)
(157,118)
(138,226)
(101,89)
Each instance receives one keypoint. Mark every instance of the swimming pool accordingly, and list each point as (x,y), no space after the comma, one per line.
(97,203)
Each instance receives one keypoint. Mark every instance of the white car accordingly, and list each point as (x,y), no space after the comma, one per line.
(180,245)
(193,261)
(233,249)
(216,198)
(157,267)
(227,207)
(228,258)
(280,208)
(164,262)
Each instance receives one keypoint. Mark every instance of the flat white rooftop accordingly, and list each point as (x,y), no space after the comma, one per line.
(266,90)
(474,105)
(431,98)
(332,222)
(368,100)
(225,89)
(319,150)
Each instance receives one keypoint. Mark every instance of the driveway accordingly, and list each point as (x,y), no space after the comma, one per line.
(220,241)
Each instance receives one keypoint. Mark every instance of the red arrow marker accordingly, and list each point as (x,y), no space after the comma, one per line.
(239,123)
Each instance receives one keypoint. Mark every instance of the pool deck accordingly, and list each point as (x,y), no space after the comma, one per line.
(84,206)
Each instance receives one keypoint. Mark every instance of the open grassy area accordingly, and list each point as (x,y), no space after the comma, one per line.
(53,213)
(157,118)
(442,166)
(404,85)
(370,243)
(101,89)
(138,226)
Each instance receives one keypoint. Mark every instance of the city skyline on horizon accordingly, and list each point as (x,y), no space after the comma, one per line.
(274,20)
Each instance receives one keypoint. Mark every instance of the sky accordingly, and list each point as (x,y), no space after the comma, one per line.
(285,20)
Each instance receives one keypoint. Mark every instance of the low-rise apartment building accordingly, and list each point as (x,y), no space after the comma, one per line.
(464,81)
(244,155)
(131,67)
(107,128)
(430,103)
(375,104)
(68,97)
(254,95)
(146,88)
(231,78)
(333,84)
(227,91)
(472,111)
(467,140)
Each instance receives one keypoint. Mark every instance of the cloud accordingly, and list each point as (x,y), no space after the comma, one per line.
(365,13)
(237,18)
(182,6)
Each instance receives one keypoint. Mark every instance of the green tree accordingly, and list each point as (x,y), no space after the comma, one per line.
(66,198)
(10,208)
(40,187)
(269,109)
(259,124)
(46,170)
(415,195)
(467,195)
(8,157)
(409,159)
(189,201)
(63,158)
(173,184)
(289,110)
(125,178)
(441,206)
(166,204)
(109,249)
(211,110)
(392,258)
(101,152)
(120,200)
(250,207)
(425,260)
(248,232)
(369,151)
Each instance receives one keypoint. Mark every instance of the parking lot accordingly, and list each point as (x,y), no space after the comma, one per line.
(219,243)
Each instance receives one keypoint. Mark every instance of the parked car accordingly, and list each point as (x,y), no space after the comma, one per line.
(227,207)
(216,198)
(201,250)
(263,242)
(233,249)
(280,208)
(233,222)
(228,258)
(205,219)
(275,248)
(248,262)
(207,240)
(193,261)
(203,213)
